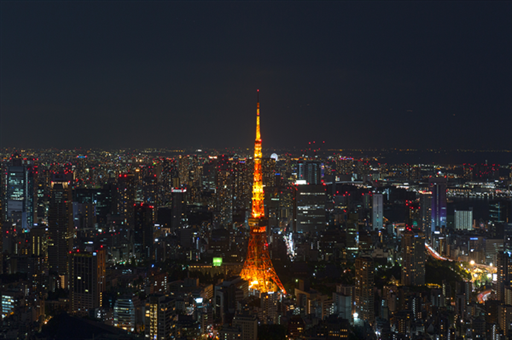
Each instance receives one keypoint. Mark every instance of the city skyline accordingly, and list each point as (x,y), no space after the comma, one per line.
(357,75)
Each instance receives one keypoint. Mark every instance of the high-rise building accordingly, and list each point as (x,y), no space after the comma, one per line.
(87,279)
(60,227)
(310,200)
(425,220)
(413,257)
(438,215)
(159,312)
(377,212)
(143,238)
(504,273)
(248,325)
(464,219)
(364,282)
(126,313)
(126,199)
(500,211)
(310,171)
(233,189)
(352,236)
(1,223)
(178,216)
(20,192)
(39,241)
(101,198)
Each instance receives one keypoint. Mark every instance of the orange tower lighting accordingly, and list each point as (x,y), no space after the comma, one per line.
(258,269)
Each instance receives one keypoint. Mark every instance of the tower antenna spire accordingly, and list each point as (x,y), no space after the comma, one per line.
(258,269)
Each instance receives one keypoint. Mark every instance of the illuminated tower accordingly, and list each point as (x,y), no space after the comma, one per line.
(258,269)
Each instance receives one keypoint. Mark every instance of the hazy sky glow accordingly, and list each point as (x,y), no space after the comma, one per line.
(166,74)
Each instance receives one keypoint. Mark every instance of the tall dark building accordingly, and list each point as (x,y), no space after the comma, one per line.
(143,230)
(413,258)
(438,206)
(20,192)
(178,208)
(364,288)
(310,171)
(504,273)
(126,199)
(1,223)
(60,227)
(87,279)
(310,200)
(103,200)
(500,211)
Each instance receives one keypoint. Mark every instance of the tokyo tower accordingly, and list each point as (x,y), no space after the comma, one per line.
(258,269)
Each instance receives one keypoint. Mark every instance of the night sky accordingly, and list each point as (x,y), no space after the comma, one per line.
(184,74)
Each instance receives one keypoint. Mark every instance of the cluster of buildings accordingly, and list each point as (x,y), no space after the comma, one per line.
(153,242)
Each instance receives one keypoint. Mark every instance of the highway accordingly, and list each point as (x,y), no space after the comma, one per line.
(482,297)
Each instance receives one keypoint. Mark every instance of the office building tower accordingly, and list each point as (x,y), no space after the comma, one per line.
(60,227)
(224,191)
(413,257)
(268,174)
(504,274)
(438,214)
(310,200)
(84,218)
(159,312)
(178,216)
(1,222)
(464,219)
(127,311)
(39,241)
(425,220)
(168,179)
(126,199)
(364,282)
(248,325)
(310,171)
(20,192)
(87,279)
(150,189)
(143,238)
(377,212)
(352,236)
(233,188)
(103,200)
(500,211)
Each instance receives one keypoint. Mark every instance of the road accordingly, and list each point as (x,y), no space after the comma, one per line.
(482,297)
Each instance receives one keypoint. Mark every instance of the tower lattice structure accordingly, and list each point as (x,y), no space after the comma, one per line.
(258,269)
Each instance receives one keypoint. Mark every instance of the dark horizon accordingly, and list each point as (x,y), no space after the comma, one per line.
(164,74)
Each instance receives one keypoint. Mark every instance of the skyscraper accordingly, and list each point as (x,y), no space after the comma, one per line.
(87,279)
(20,191)
(504,273)
(310,208)
(364,282)
(438,217)
(158,317)
(413,258)
(60,227)
(377,212)
(126,199)
(143,230)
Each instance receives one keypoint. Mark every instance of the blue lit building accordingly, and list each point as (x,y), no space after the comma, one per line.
(438,208)
(20,192)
